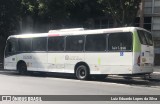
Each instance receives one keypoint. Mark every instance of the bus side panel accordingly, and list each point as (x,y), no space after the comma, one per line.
(10,62)
(109,63)
(56,62)
(40,60)
(34,61)
(136,53)
(71,59)
(64,62)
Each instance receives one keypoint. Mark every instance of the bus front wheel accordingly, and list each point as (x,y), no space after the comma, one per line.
(22,68)
(82,72)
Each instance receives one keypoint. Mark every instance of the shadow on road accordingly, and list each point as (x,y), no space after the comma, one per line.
(109,79)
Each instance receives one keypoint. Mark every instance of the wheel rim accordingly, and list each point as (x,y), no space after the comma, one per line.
(81,73)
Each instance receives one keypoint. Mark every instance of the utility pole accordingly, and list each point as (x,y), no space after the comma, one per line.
(142,13)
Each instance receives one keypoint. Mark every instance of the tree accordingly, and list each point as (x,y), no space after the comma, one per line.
(9,20)
(33,8)
(9,17)
(52,12)
(63,13)
(84,10)
(57,13)
(122,11)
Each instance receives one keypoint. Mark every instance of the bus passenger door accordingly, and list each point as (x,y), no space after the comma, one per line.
(10,54)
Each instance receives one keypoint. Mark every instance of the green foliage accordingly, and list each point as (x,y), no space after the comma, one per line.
(33,7)
(64,13)
(122,11)
(9,17)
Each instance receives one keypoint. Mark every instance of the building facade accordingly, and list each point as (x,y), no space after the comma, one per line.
(151,21)
(152,13)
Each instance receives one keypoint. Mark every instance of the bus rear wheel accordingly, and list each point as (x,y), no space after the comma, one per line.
(82,72)
(22,68)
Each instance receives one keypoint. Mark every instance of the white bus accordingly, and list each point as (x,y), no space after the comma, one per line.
(120,51)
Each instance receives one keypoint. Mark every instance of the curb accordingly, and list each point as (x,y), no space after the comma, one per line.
(156,72)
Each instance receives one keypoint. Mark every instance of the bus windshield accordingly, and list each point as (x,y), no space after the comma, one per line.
(145,37)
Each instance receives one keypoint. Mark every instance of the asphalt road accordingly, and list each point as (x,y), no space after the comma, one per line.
(13,84)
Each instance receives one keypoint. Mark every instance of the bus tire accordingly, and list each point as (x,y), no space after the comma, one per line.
(82,72)
(22,68)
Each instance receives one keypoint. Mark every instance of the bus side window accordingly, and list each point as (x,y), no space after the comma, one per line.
(95,42)
(56,43)
(39,44)
(11,46)
(24,44)
(74,43)
(120,42)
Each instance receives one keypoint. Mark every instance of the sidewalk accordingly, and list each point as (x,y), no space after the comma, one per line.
(156,73)
(157,69)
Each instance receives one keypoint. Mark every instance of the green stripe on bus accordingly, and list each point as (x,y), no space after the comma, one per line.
(136,42)
(99,60)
